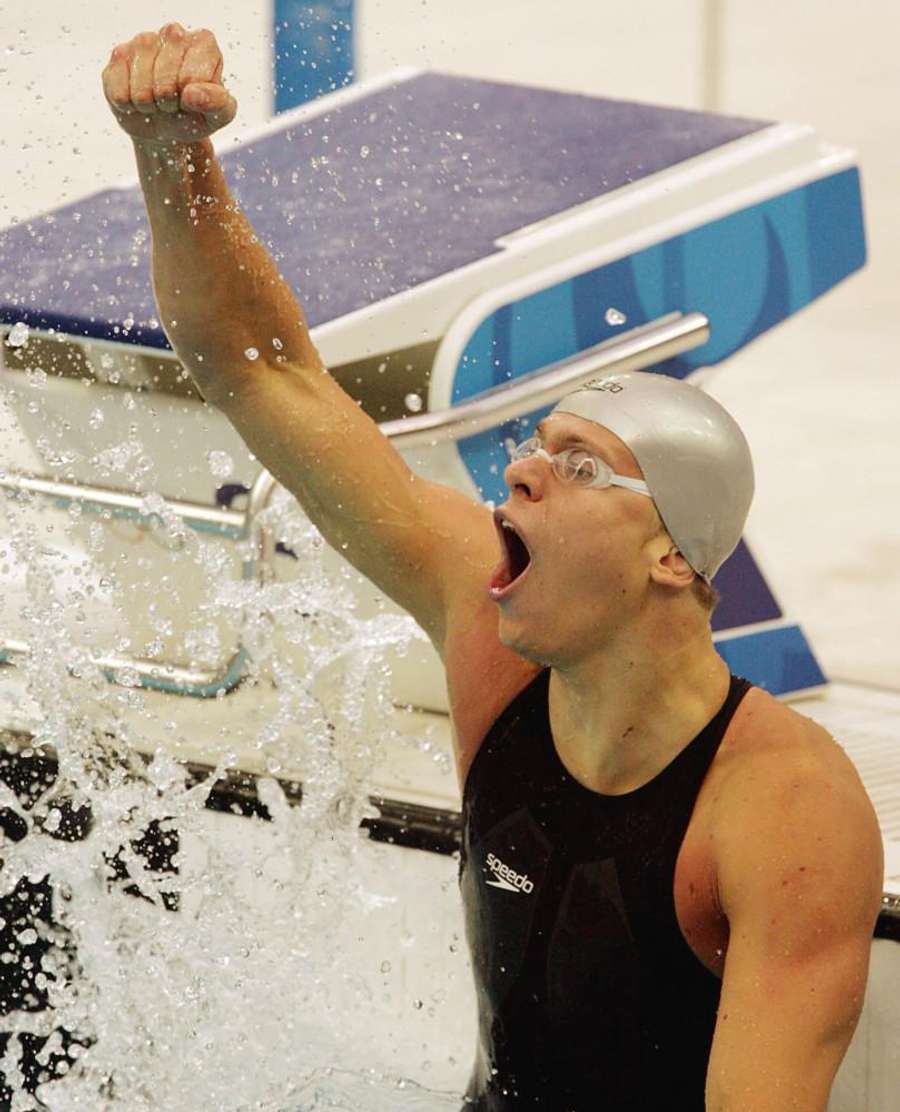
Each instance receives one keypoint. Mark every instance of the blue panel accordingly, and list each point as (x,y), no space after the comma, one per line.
(651,268)
(477,361)
(746,598)
(595,293)
(775,305)
(543,329)
(787,216)
(837,241)
(486,362)
(501,349)
(731,294)
(313,49)
(779,660)
(811,238)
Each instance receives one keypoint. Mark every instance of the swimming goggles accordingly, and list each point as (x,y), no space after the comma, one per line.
(575,465)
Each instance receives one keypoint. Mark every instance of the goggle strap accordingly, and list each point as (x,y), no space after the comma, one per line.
(637,485)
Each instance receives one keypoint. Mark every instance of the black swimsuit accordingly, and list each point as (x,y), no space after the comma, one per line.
(589,998)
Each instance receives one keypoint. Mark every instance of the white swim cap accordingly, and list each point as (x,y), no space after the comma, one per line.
(695,459)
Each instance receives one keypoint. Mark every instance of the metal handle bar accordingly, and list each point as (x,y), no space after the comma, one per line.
(634,350)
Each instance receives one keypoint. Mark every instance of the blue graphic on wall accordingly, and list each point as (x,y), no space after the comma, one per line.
(313,49)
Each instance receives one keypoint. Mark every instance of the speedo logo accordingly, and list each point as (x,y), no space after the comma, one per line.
(507,878)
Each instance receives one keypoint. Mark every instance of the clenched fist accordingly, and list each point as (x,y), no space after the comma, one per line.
(167,87)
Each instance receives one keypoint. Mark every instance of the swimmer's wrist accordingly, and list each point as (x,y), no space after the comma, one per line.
(190,169)
(173,149)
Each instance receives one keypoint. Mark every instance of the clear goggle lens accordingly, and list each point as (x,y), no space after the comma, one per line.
(573,465)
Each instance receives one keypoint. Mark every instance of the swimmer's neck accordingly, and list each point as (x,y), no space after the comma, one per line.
(618,719)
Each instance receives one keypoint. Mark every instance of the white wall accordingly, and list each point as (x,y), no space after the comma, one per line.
(642,50)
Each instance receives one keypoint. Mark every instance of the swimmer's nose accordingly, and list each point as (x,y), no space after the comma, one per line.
(527,475)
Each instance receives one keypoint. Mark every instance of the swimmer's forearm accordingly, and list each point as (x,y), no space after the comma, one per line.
(218,290)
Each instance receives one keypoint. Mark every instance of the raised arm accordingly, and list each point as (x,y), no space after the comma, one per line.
(220,296)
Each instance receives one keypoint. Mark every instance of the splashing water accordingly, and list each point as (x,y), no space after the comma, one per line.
(18,335)
(221,464)
(240,977)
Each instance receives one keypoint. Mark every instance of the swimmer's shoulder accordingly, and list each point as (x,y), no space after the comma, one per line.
(765,732)
(791,826)
(777,758)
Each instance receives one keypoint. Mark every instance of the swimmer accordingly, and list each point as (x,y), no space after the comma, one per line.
(670,878)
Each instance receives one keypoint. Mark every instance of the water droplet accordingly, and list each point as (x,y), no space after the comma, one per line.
(220,463)
(413,402)
(18,335)
(385,967)
(277,344)
(364,152)
(615,317)
(251,354)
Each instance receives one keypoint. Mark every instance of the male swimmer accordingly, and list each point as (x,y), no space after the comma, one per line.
(670,878)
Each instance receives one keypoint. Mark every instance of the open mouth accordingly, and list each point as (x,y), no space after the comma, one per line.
(515,563)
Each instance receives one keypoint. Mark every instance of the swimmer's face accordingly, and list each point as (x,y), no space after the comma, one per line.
(592,549)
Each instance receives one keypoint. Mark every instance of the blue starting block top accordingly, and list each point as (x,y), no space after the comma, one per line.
(366,200)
